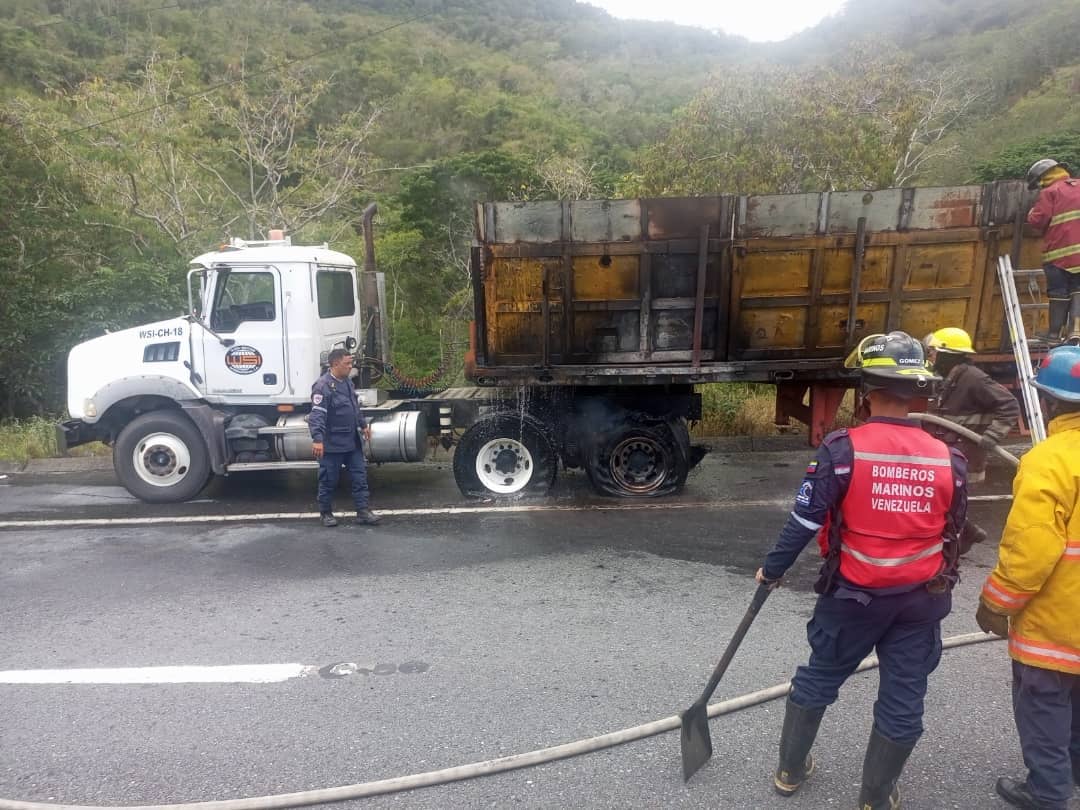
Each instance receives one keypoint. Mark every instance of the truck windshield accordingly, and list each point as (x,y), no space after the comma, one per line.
(242,296)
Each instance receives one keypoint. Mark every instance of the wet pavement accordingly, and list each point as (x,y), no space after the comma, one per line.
(471,635)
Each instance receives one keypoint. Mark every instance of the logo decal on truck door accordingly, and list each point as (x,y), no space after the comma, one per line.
(243,360)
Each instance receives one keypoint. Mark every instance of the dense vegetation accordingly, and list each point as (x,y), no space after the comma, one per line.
(136,135)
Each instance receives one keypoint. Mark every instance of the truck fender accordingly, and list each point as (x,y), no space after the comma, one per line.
(143,385)
(211,424)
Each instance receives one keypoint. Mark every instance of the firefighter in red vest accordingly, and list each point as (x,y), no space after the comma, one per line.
(885,500)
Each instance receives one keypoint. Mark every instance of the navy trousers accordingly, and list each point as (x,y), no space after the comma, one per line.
(1060,283)
(330,472)
(1046,705)
(905,629)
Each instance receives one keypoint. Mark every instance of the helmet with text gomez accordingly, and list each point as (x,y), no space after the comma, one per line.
(895,362)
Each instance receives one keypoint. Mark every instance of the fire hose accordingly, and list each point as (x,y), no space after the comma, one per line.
(475,769)
(940,421)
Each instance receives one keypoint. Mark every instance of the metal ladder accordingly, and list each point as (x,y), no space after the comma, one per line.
(1014,316)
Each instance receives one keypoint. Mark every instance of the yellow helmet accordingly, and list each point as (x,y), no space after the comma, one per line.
(951,340)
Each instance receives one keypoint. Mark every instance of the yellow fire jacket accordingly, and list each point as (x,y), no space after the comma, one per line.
(1037,578)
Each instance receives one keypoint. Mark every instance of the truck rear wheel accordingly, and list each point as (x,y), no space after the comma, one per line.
(639,459)
(504,456)
(160,457)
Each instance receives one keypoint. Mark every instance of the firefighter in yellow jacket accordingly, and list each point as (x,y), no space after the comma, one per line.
(1033,594)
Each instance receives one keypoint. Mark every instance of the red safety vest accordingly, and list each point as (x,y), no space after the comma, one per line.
(893,516)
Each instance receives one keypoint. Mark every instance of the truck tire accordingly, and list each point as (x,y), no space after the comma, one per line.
(160,457)
(640,459)
(505,456)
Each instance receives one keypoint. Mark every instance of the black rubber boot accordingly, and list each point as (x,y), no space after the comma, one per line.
(365,517)
(882,767)
(1076,771)
(800,729)
(328,519)
(1072,328)
(1018,794)
(1058,317)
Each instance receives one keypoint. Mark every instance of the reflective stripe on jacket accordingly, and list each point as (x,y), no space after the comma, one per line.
(1056,215)
(893,516)
(1037,577)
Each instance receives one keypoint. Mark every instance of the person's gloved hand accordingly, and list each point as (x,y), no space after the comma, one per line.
(990,622)
(988,443)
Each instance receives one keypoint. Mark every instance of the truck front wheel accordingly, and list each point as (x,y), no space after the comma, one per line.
(504,456)
(160,457)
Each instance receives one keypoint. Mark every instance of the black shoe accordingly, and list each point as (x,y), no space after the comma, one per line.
(796,764)
(1076,771)
(328,519)
(365,517)
(882,766)
(1018,794)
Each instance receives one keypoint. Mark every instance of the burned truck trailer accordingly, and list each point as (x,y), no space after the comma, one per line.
(596,318)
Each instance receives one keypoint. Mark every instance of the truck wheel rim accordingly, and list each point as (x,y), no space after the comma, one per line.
(504,466)
(639,465)
(161,459)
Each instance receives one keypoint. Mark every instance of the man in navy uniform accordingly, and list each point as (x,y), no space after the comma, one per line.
(885,500)
(334,421)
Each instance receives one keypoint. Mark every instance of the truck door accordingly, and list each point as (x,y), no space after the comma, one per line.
(247,312)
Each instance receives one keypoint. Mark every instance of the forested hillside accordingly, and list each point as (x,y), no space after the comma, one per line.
(134,135)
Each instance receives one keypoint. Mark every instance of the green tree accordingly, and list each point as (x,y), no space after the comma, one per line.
(63,277)
(426,256)
(868,120)
(198,167)
(1014,161)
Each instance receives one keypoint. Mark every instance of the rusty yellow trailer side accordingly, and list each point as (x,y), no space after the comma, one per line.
(910,259)
(769,288)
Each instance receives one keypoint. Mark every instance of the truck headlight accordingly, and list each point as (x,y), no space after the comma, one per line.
(89,408)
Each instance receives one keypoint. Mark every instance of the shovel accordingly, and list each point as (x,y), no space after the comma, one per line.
(695,739)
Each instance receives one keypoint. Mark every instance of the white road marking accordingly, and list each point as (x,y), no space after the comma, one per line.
(784,503)
(444,510)
(243,673)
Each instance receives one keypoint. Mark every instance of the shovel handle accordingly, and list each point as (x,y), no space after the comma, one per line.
(760,595)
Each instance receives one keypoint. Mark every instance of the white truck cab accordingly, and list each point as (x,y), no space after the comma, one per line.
(227,387)
(263,312)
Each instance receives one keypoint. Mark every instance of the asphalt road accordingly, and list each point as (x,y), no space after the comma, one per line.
(473,635)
